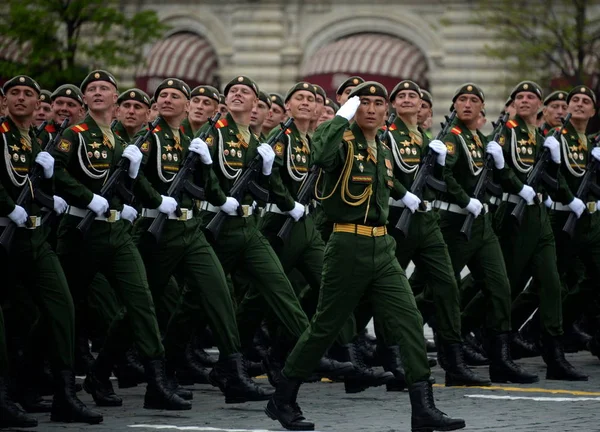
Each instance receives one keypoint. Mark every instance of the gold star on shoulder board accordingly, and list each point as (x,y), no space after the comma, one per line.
(359,157)
(168,147)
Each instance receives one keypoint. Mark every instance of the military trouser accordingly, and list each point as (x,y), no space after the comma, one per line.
(33,263)
(103,306)
(3,350)
(426,248)
(109,249)
(241,245)
(483,256)
(322,223)
(356,266)
(183,249)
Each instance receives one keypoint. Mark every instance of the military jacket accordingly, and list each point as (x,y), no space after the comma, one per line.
(186,127)
(47,134)
(292,162)
(230,155)
(19,158)
(356,185)
(84,159)
(120,130)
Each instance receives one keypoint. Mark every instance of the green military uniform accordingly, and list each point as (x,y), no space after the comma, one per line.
(240,244)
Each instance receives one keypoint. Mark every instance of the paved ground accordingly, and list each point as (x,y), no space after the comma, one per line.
(546,406)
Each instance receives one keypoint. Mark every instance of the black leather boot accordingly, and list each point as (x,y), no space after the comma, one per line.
(575,339)
(457,372)
(173,384)
(66,406)
(520,348)
(189,370)
(231,376)
(502,368)
(363,376)
(558,366)
(333,369)
(273,363)
(473,352)
(425,416)
(97,382)
(84,360)
(129,370)
(11,416)
(392,362)
(594,345)
(197,351)
(283,406)
(158,393)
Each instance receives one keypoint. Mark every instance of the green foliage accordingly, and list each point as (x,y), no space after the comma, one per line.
(63,39)
(542,39)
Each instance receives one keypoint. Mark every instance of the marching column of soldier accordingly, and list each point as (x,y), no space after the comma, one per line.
(155,227)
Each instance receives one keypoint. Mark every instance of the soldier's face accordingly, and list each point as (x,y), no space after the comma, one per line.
(64,107)
(153,112)
(318,108)
(240,99)
(341,99)
(201,109)
(276,115)
(328,114)
(581,107)
(100,96)
(302,105)
(407,103)
(172,104)
(133,114)
(554,112)
(481,120)
(371,112)
(223,110)
(259,114)
(43,112)
(527,104)
(424,112)
(468,107)
(22,101)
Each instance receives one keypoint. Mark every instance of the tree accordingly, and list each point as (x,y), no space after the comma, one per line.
(61,40)
(550,41)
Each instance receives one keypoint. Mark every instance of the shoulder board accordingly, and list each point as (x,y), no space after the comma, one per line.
(50,128)
(221,123)
(181,129)
(348,136)
(79,128)
(5,127)
(116,132)
(511,124)
(545,132)
(456,130)
(288,131)
(156,129)
(393,127)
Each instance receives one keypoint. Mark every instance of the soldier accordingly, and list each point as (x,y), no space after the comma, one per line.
(133,112)
(2,103)
(345,88)
(86,155)
(260,114)
(482,119)
(482,254)
(277,114)
(204,103)
(424,244)
(328,111)
(31,260)
(44,110)
(555,108)
(153,110)
(321,97)
(357,184)
(223,105)
(425,115)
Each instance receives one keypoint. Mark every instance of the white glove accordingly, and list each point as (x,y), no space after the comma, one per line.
(18,215)
(168,205)
(98,205)
(134,155)
(268,156)
(199,147)
(474,207)
(577,206)
(60,205)
(411,201)
(495,150)
(554,146)
(129,213)
(441,149)
(230,206)
(527,193)
(548,202)
(47,162)
(297,212)
(596,153)
(348,110)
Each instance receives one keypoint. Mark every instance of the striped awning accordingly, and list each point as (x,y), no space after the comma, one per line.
(186,56)
(368,54)
(13,51)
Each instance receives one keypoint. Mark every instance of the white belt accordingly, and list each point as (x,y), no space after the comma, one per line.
(399,203)
(494,200)
(36,221)
(186,214)
(114,215)
(592,207)
(272,208)
(515,199)
(247,210)
(455,208)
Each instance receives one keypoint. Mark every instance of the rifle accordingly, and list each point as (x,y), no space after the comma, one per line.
(181,182)
(382,135)
(247,182)
(32,192)
(484,183)
(425,178)
(113,124)
(539,174)
(115,183)
(587,185)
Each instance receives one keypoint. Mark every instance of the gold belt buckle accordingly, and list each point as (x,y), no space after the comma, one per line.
(184,215)
(246,210)
(112,218)
(591,206)
(35,222)
(374,231)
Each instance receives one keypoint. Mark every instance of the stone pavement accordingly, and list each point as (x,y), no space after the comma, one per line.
(552,406)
